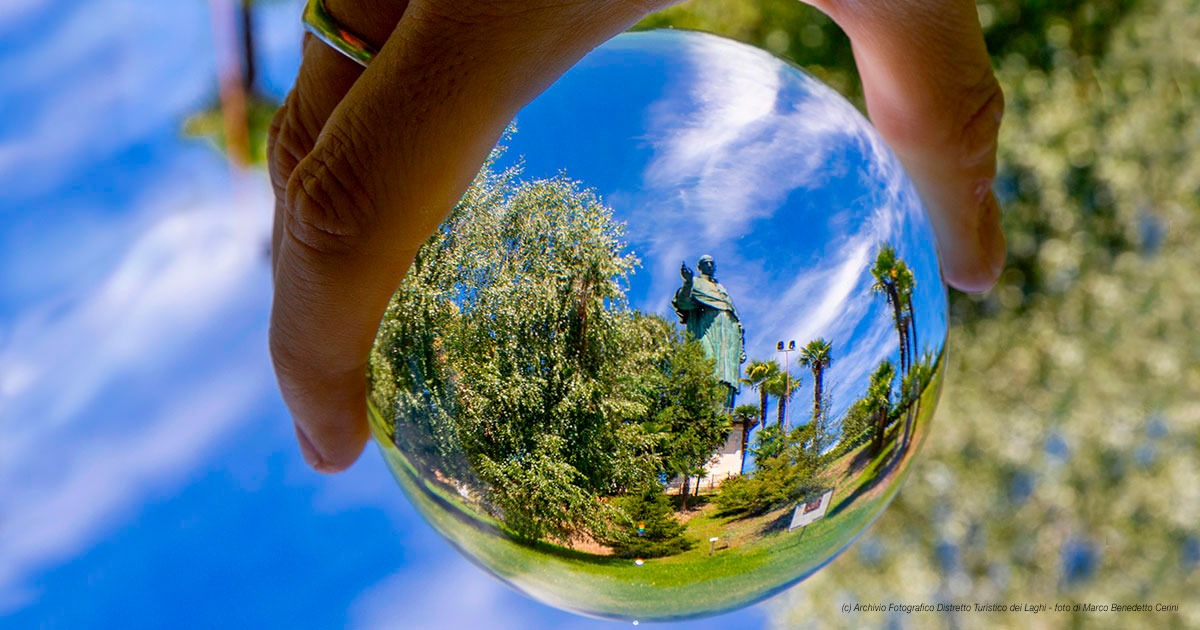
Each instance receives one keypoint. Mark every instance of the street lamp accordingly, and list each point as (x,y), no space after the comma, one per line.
(787,371)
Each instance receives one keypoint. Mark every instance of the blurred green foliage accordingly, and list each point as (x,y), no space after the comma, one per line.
(1063,464)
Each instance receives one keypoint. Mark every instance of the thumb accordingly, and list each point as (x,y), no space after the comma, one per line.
(931,92)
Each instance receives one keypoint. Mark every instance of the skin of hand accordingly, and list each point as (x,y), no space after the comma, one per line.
(366,163)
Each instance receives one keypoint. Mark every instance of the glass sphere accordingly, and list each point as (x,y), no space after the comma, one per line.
(678,343)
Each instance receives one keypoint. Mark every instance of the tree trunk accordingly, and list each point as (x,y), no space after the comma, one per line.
(880,423)
(782,410)
(817,374)
(898,318)
(249,70)
(912,322)
(687,481)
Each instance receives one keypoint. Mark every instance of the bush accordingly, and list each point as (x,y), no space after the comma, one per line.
(781,478)
(647,527)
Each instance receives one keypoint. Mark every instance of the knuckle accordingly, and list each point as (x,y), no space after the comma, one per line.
(292,136)
(958,123)
(328,208)
(979,119)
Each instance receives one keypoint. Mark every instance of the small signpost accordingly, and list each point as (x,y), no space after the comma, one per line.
(810,512)
(712,544)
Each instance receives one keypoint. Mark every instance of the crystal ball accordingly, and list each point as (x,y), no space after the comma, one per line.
(678,343)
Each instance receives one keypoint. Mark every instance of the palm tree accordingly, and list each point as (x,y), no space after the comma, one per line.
(817,356)
(748,415)
(782,386)
(886,271)
(879,393)
(757,374)
(905,283)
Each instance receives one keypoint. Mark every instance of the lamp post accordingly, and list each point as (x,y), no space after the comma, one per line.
(787,376)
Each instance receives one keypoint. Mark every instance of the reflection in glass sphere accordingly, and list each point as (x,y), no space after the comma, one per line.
(676,346)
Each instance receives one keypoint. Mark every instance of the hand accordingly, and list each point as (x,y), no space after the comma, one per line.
(365,164)
(685,272)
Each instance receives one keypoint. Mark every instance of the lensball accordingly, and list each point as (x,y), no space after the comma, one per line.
(678,343)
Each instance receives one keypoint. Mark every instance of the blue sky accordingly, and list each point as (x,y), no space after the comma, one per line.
(148,471)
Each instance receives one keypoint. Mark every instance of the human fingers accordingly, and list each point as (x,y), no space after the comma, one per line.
(395,154)
(931,92)
(324,78)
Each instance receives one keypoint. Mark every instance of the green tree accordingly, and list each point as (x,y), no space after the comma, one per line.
(540,494)
(520,370)
(879,395)
(782,474)
(768,443)
(816,356)
(857,423)
(691,423)
(646,526)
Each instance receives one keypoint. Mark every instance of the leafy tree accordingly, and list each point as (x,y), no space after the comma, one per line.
(520,370)
(540,494)
(857,423)
(691,423)
(879,395)
(821,431)
(782,474)
(646,526)
(816,356)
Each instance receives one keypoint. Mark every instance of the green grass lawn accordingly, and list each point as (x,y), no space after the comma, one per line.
(755,557)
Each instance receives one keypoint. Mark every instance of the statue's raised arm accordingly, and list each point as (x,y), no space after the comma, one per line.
(683,302)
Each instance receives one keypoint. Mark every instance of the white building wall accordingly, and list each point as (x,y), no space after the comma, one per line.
(727,461)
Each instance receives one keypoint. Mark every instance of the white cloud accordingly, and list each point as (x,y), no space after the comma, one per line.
(453,594)
(732,142)
(124,386)
(727,152)
(132,86)
(13,10)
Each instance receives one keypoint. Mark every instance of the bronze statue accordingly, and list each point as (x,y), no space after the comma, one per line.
(706,309)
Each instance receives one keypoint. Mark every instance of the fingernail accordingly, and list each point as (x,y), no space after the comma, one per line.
(308,451)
